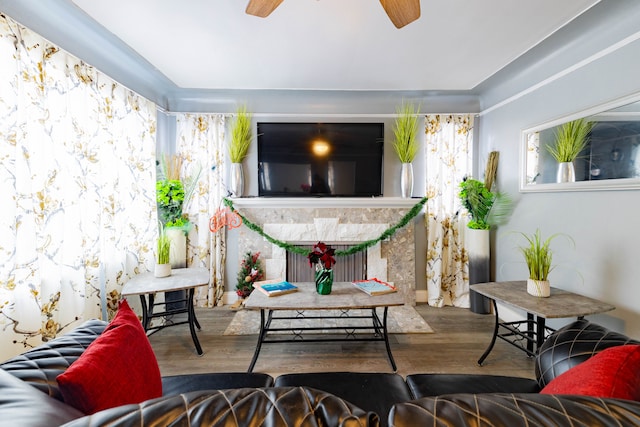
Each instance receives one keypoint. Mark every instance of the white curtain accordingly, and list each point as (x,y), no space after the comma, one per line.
(77,167)
(449,143)
(201,143)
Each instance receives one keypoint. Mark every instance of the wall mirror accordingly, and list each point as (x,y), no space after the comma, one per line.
(610,160)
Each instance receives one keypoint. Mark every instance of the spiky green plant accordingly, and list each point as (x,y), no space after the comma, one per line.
(405,131)
(241,135)
(164,247)
(537,254)
(485,207)
(571,139)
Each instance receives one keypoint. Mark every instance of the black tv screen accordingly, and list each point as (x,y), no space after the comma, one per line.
(320,159)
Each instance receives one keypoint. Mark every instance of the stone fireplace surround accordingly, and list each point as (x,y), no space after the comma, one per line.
(336,221)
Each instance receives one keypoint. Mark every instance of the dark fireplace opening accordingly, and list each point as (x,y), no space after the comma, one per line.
(346,269)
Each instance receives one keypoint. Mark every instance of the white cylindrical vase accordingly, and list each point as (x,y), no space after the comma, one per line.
(406,180)
(178,252)
(237,180)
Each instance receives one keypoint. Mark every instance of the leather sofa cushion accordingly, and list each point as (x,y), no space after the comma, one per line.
(424,385)
(268,407)
(177,384)
(23,405)
(571,345)
(41,366)
(375,392)
(515,410)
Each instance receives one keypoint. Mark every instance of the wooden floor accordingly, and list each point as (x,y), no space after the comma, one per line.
(459,340)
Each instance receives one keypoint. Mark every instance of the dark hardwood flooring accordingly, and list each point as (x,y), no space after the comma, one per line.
(459,340)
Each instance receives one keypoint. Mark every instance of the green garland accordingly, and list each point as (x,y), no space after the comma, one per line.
(350,251)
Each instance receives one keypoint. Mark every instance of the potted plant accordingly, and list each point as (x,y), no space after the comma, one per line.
(323,258)
(163,266)
(486,208)
(405,143)
(241,137)
(538,256)
(571,139)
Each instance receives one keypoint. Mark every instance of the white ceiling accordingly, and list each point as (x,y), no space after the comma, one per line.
(331,44)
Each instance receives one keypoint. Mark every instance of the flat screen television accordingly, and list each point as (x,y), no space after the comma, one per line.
(320,159)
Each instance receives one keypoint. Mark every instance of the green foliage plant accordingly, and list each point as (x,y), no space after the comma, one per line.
(405,131)
(164,247)
(241,135)
(538,255)
(486,208)
(173,193)
(571,139)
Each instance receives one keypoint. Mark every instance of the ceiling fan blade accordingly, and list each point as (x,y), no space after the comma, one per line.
(401,12)
(262,8)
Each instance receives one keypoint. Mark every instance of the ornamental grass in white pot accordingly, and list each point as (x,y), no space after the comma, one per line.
(538,257)
(241,137)
(163,264)
(571,139)
(405,143)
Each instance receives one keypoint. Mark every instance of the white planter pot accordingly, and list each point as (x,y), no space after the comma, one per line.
(538,288)
(406,180)
(237,180)
(566,172)
(162,270)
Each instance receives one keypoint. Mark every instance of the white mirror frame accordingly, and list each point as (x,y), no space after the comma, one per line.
(607,184)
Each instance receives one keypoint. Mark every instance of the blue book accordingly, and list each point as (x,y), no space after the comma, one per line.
(374,286)
(275,289)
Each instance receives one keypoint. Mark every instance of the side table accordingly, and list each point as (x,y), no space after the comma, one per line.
(560,304)
(146,285)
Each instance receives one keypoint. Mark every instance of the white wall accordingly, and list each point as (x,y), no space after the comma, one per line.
(604,224)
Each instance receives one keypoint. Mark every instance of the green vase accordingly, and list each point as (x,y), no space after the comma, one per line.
(324,280)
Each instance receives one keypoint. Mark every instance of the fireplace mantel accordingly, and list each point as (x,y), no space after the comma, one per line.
(325,202)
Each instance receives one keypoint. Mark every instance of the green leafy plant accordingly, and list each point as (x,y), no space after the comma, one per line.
(538,255)
(571,139)
(487,209)
(173,193)
(164,247)
(405,130)
(241,135)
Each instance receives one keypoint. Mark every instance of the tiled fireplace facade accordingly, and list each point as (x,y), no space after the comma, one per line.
(337,222)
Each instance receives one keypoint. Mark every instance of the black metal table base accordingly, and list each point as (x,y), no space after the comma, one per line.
(528,340)
(148,314)
(378,330)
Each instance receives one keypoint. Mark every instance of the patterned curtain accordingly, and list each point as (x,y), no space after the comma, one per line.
(77,167)
(449,140)
(200,143)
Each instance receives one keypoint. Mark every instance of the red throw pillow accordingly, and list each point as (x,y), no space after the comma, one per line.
(118,368)
(614,373)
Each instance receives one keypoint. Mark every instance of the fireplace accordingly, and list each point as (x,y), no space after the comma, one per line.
(347,268)
(338,222)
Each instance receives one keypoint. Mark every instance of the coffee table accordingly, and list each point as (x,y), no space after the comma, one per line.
(560,304)
(146,285)
(344,297)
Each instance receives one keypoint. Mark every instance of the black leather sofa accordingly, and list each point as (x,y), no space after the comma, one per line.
(29,394)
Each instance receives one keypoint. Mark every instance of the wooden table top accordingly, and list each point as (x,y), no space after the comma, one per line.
(181,278)
(560,304)
(344,295)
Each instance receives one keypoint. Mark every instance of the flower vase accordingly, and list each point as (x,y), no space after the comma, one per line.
(406,180)
(566,172)
(324,280)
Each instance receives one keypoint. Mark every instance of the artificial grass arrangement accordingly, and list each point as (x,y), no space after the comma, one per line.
(571,139)
(164,247)
(405,131)
(241,135)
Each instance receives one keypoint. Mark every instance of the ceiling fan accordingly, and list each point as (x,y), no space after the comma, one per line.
(401,12)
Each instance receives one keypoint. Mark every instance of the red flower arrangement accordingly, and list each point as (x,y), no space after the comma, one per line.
(322,254)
